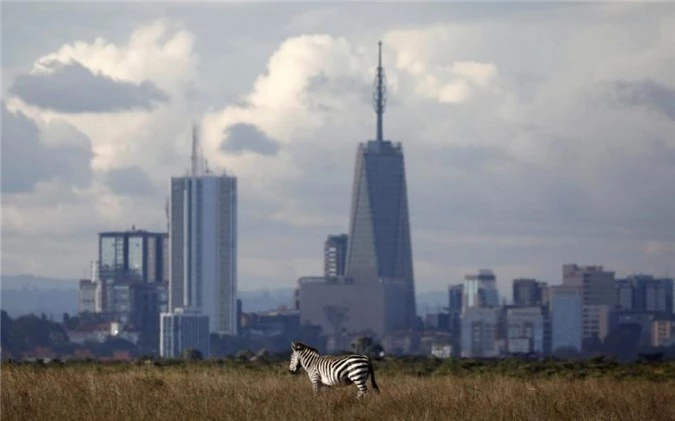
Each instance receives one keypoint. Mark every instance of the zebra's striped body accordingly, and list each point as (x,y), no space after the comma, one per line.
(330,370)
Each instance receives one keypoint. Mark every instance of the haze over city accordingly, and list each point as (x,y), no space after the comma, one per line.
(522,152)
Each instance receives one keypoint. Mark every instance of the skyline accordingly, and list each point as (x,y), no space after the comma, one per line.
(523,153)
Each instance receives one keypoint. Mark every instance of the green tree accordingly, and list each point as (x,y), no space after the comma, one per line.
(366,345)
(6,328)
(192,354)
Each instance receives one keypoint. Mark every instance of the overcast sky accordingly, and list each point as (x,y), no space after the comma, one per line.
(534,134)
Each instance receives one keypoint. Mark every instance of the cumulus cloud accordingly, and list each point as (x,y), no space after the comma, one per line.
(118,193)
(515,159)
(282,100)
(31,154)
(73,88)
(537,162)
(157,59)
(243,137)
(311,101)
(160,52)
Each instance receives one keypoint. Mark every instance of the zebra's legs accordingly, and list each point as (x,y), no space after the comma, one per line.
(316,383)
(363,390)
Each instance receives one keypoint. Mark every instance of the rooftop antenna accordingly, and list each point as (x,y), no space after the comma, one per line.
(379,93)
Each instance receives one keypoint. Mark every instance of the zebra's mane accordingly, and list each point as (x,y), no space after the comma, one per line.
(300,346)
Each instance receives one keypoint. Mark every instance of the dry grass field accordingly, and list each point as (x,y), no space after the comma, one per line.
(209,392)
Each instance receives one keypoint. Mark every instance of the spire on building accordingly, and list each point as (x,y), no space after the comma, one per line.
(379,93)
(197,167)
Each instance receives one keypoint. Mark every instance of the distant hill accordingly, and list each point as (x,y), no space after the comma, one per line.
(266,299)
(23,294)
(37,282)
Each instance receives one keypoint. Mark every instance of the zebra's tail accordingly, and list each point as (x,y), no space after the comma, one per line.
(372,377)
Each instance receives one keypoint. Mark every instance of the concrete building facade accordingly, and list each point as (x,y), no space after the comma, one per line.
(599,295)
(342,306)
(87,302)
(479,332)
(335,256)
(184,329)
(525,330)
(566,303)
(528,292)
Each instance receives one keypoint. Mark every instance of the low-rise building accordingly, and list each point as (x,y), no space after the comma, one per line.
(182,330)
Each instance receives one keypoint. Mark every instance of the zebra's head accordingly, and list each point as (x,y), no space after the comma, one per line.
(295,357)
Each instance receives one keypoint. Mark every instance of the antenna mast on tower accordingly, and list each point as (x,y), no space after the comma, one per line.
(379,94)
(196,158)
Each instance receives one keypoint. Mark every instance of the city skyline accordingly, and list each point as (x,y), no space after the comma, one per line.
(516,162)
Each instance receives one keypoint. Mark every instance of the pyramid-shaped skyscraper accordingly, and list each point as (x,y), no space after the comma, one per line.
(377,293)
(379,228)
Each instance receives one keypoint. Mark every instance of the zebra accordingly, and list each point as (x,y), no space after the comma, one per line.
(330,370)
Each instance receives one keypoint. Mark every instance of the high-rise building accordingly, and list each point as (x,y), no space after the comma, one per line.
(625,295)
(479,332)
(377,293)
(528,292)
(566,304)
(380,248)
(598,285)
(456,294)
(599,297)
(87,296)
(596,321)
(132,256)
(203,246)
(129,280)
(480,290)
(148,301)
(653,294)
(525,330)
(645,293)
(181,330)
(335,255)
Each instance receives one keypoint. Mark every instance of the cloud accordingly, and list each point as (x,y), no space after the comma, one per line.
(243,137)
(649,93)
(73,88)
(117,193)
(160,52)
(525,152)
(515,158)
(129,181)
(157,58)
(31,154)
(311,20)
(283,101)
(312,87)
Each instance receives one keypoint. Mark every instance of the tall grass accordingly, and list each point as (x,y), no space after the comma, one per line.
(200,392)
